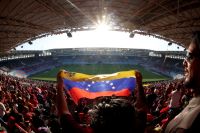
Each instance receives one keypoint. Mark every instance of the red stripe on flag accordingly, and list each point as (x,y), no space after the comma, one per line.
(77,93)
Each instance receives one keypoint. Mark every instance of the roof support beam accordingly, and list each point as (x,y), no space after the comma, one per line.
(187,24)
(21,22)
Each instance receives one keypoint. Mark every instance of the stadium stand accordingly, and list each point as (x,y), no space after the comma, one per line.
(30,104)
(168,64)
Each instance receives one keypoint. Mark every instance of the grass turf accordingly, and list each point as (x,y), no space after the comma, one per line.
(98,69)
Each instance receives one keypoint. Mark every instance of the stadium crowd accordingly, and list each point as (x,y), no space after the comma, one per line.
(30,106)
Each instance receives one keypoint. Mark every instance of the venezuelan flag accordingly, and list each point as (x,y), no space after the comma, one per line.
(81,85)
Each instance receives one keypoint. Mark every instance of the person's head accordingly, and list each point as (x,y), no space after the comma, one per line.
(113,115)
(2,95)
(192,62)
(3,129)
(178,87)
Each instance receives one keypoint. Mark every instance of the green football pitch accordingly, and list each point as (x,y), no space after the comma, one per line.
(99,69)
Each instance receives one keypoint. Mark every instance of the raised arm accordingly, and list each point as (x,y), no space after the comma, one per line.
(68,124)
(61,100)
(140,102)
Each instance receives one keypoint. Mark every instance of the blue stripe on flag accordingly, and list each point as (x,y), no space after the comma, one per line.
(99,86)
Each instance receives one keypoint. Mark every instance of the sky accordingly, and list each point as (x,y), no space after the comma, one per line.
(100,38)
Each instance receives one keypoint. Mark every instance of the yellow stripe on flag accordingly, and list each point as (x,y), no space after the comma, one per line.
(101,77)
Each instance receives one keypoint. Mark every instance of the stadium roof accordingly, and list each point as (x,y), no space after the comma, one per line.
(26,20)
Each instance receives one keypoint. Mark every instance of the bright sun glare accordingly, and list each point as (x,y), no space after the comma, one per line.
(102,27)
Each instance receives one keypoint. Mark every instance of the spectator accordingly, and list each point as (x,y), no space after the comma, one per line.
(2,106)
(151,97)
(175,101)
(189,118)
(3,129)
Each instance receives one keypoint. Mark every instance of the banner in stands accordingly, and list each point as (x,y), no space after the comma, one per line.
(81,85)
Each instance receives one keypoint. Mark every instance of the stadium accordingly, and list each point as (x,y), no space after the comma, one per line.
(44,65)
(29,84)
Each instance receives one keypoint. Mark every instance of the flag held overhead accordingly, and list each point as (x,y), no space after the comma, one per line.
(81,85)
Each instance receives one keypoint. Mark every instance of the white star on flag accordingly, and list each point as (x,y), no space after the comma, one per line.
(88,85)
(113,87)
(107,81)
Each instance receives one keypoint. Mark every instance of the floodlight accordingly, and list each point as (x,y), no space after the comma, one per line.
(69,34)
(170,43)
(30,43)
(131,35)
